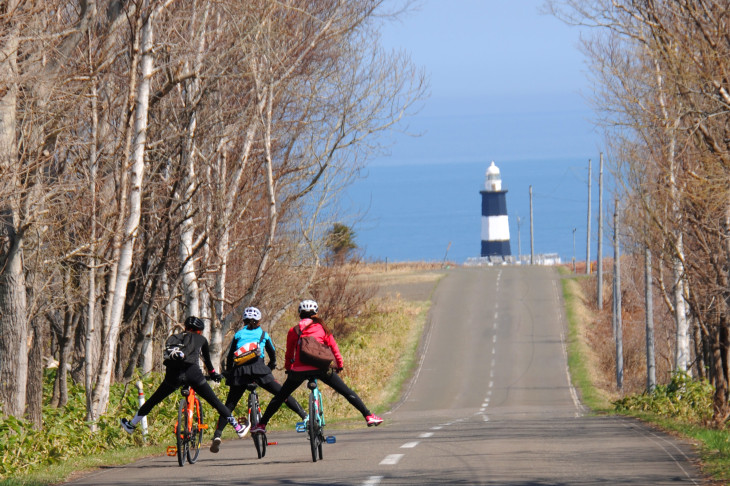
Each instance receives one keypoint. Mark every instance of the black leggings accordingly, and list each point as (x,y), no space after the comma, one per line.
(272,386)
(296,378)
(174,379)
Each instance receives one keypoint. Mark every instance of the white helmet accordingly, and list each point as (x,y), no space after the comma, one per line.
(252,313)
(308,306)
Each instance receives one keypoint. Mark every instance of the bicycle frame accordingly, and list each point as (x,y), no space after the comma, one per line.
(314,425)
(189,436)
(254,416)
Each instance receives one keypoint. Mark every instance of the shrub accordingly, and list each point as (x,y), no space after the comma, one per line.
(682,398)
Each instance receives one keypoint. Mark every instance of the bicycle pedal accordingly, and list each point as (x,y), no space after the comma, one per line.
(301,427)
(330,439)
(203,426)
(171,450)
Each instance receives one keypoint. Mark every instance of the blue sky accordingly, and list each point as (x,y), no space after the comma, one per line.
(506,82)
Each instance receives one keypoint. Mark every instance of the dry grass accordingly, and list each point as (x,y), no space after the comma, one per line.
(598,332)
(378,357)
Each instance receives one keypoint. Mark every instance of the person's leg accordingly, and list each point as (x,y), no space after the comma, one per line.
(194,377)
(336,383)
(234,396)
(163,391)
(269,383)
(168,386)
(292,382)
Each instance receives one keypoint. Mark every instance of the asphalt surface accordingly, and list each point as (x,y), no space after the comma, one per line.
(490,403)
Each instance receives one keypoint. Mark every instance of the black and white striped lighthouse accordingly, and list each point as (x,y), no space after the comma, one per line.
(495,226)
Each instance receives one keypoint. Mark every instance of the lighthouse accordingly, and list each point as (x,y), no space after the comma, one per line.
(495,226)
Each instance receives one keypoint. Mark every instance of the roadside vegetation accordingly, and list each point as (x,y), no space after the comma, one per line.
(679,404)
(378,349)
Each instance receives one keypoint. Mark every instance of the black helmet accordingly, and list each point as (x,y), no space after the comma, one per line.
(194,323)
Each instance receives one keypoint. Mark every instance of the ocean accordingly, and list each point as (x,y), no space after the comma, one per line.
(432,212)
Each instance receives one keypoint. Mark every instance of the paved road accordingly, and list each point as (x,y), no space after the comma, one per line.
(491,404)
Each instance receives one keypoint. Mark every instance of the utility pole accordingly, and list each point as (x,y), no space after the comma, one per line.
(649,306)
(599,276)
(574,249)
(519,240)
(617,326)
(532,237)
(588,231)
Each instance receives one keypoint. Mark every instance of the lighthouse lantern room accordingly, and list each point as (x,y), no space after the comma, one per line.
(495,225)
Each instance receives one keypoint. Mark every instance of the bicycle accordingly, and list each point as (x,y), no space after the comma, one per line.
(314,425)
(189,428)
(254,417)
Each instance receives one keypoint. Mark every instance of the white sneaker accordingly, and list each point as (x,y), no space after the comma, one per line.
(127,426)
(241,430)
(216,445)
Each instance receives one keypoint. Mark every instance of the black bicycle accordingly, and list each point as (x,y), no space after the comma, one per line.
(254,417)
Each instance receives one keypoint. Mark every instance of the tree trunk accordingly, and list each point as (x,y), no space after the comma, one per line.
(136,177)
(34,405)
(13,304)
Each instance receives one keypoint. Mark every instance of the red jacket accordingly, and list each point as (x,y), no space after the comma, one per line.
(309,328)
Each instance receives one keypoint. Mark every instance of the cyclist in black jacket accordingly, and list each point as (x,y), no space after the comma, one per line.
(182,368)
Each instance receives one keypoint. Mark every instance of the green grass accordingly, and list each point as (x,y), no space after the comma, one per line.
(578,359)
(670,415)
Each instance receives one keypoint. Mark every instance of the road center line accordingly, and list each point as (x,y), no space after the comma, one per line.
(410,445)
(391,459)
(426,435)
(373,481)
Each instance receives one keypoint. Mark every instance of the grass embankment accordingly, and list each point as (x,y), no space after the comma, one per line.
(378,358)
(681,407)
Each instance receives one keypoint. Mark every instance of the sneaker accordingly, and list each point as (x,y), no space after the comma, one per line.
(373,420)
(127,426)
(259,429)
(246,426)
(216,445)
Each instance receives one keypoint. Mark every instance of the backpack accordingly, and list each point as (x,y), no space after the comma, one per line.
(314,353)
(248,352)
(179,348)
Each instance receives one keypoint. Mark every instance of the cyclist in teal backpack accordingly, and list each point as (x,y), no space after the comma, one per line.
(244,364)
(182,357)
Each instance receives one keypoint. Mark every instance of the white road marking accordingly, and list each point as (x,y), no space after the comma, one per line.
(391,459)
(373,481)
(410,445)
(426,435)
(436,427)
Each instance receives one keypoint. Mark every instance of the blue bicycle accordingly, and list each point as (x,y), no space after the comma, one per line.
(314,425)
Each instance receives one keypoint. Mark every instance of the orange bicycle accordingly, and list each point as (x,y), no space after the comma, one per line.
(188,428)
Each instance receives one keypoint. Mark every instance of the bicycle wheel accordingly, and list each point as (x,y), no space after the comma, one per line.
(254,417)
(196,433)
(320,424)
(314,431)
(181,432)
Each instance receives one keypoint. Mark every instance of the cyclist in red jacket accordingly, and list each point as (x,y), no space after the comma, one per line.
(298,372)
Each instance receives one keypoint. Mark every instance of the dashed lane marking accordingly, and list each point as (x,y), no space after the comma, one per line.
(410,445)
(391,459)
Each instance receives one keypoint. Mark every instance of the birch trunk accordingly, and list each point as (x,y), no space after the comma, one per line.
(223,244)
(124,264)
(13,301)
(682,345)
